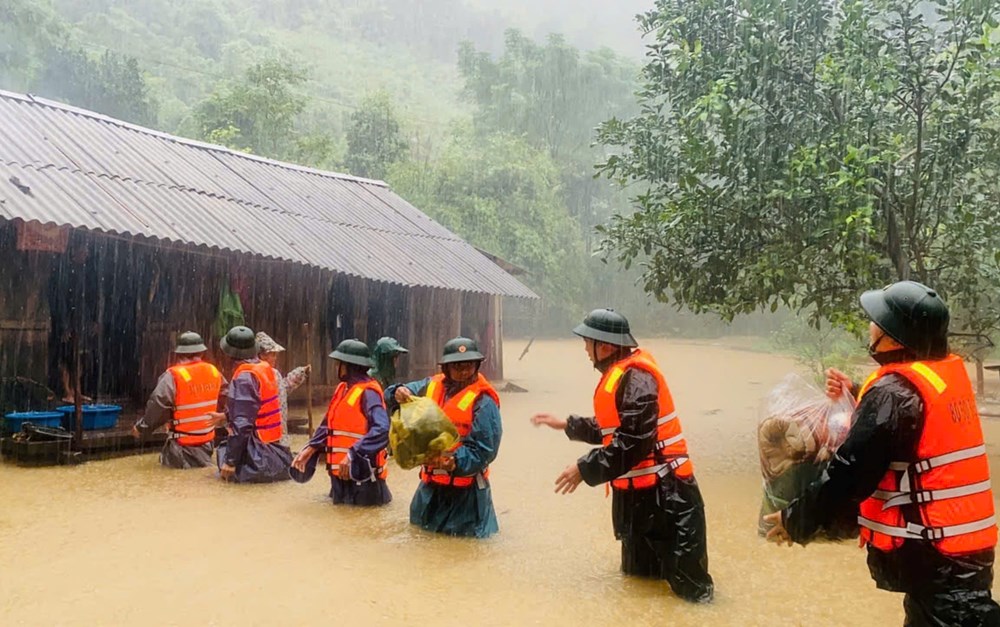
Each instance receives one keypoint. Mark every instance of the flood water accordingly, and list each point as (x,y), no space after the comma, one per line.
(127,542)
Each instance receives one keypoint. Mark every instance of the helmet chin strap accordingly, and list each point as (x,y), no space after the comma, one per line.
(873,347)
(602,364)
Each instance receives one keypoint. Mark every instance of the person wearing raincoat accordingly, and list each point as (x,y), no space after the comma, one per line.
(913,469)
(185,399)
(656,506)
(385,355)
(269,350)
(354,434)
(454,495)
(253,452)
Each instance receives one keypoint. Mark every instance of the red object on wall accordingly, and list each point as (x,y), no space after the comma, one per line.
(48,238)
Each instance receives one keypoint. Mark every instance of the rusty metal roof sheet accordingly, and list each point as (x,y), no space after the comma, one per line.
(85,170)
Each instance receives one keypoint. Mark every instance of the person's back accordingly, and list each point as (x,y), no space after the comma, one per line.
(185,399)
(253,452)
(197,386)
(939,448)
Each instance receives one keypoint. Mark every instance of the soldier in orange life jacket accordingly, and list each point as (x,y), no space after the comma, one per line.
(656,507)
(185,399)
(354,436)
(253,452)
(454,496)
(913,469)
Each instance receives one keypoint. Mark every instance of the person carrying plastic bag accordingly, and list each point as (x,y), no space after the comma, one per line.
(454,496)
(913,468)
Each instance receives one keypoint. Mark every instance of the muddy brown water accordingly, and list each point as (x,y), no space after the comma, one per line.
(125,542)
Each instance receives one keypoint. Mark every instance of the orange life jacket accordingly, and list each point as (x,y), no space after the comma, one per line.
(670,453)
(197,386)
(949,483)
(346,424)
(268,424)
(458,408)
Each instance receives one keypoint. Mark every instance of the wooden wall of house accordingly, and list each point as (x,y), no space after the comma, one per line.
(157,290)
(434,317)
(180,293)
(24,311)
(481,322)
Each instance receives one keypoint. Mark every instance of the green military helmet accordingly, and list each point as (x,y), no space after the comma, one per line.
(912,314)
(190,343)
(460,349)
(606,325)
(353,352)
(240,343)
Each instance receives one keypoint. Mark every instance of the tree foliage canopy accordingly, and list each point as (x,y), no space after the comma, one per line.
(374,137)
(554,97)
(504,196)
(798,152)
(256,114)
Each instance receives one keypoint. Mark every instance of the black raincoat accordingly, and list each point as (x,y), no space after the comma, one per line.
(662,529)
(940,589)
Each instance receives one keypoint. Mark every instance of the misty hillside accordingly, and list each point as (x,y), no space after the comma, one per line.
(349,47)
(585,23)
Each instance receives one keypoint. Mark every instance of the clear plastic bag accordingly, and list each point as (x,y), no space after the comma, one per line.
(420,431)
(799,430)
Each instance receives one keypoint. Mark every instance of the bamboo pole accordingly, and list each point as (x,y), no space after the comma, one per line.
(309,385)
(77,396)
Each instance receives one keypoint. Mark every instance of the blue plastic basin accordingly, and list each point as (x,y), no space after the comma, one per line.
(94,416)
(12,422)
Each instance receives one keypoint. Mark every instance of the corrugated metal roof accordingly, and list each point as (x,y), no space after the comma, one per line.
(89,171)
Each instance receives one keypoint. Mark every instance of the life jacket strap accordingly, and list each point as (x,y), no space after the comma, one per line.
(913,531)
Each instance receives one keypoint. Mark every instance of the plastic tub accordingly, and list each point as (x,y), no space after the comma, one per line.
(94,416)
(12,422)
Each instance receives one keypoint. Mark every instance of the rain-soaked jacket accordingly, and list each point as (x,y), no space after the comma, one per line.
(662,529)
(940,589)
(255,462)
(453,510)
(364,487)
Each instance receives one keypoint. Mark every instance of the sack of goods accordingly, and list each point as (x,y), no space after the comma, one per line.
(799,431)
(419,431)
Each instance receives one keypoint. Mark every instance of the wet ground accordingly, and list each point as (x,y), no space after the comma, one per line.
(124,541)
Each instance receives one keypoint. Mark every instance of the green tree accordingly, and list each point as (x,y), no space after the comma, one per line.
(113,84)
(27,30)
(374,137)
(258,113)
(503,195)
(38,55)
(798,152)
(554,97)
